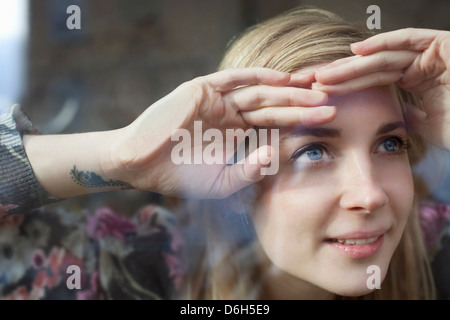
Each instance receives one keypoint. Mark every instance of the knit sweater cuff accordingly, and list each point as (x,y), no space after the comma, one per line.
(20,191)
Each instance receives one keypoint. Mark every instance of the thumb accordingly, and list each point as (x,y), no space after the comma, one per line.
(247,171)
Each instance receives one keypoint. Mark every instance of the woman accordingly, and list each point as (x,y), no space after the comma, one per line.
(343,199)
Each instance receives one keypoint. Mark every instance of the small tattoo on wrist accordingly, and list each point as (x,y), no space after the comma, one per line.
(89,179)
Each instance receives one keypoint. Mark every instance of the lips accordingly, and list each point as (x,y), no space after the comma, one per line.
(358,242)
(358,245)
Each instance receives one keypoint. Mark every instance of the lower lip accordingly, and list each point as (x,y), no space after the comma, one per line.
(359,251)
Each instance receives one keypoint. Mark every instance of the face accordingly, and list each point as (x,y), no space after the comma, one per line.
(342,196)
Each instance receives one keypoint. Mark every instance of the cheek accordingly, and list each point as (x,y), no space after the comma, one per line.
(399,185)
(289,218)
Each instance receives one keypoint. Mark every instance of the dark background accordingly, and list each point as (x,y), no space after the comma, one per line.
(130,53)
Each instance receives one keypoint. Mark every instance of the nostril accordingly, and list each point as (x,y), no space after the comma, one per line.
(364,198)
(360,210)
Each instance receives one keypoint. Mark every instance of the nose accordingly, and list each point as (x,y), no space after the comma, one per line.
(362,190)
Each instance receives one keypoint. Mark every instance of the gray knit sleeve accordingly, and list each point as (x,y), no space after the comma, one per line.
(20,191)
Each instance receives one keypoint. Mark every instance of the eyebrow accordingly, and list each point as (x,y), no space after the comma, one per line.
(333,133)
(388,127)
(316,132)
(313,131)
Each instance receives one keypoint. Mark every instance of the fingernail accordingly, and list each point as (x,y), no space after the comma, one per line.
(316,86)
(354,45)
(322,73)
(318,97)
(303,76)
(327,111)
(283,75)
(265,157)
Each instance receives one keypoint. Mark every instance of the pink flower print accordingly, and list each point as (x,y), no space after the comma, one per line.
(94,292)
(105,223)
(20,293)
(12,220)
(4,209)
(176,270)
(38,259)
(433,218)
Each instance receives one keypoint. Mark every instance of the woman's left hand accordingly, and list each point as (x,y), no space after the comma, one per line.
(417,59)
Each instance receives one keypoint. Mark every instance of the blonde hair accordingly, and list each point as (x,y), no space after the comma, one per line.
(291,41)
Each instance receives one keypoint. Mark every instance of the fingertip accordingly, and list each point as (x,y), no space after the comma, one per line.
(274,77)
(317,86)
(318,76)
(358,48)
(355,46)
(329,112)
(319,115)
(302,79)
(323,76)
(315,97)
(248,171)
(284,77)
(323,96)
(363,48)
(264,154)
(257,159)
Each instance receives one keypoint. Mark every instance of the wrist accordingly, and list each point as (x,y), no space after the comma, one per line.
(115,159)
(73,164)
(129,158)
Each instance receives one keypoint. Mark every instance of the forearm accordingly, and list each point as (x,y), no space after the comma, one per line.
(74,164)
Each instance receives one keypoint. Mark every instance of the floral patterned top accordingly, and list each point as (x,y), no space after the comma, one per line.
(56,253)
(103,253)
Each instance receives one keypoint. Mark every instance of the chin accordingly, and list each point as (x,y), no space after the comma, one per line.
(352,292)
(358,285)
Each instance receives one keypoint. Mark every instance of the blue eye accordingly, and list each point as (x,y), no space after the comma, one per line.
(311,154)
(393,144)
(390,145)
(314,154)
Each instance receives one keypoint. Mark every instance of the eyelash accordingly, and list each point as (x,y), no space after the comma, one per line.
(404,145)
(307,148)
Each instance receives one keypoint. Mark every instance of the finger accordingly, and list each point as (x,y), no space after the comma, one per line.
(364,65)
(229,79)
(361,83)
(404,39)
(339,62)
(289,116)
(254,97)
(247,171)
(302,79)
(420,75)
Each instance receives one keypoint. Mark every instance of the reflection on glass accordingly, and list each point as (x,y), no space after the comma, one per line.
(13,39)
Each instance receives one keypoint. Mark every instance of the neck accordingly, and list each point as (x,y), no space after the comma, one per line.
(279,285)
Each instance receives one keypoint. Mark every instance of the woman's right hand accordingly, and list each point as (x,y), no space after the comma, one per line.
(141,154)
(418,60)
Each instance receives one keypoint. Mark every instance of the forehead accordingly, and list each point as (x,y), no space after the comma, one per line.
(363,110)
(372,101)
